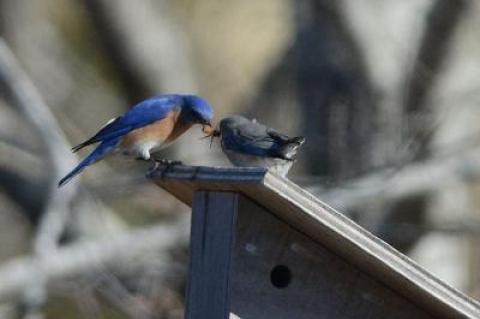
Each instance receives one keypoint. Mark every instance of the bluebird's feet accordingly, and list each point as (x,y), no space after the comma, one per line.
(167,164)
(153,168)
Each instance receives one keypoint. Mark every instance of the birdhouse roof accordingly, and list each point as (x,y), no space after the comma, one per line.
(325,225)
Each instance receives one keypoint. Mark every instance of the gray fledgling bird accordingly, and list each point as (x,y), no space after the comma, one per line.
(249,143)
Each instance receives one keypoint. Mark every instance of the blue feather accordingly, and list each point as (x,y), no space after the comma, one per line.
(193,109)
(202,107)
(151,110)
(142,114)
(97,154)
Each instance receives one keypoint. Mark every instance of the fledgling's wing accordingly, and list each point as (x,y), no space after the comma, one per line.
(253,138)
(144,113)
(286,146)
(247,138)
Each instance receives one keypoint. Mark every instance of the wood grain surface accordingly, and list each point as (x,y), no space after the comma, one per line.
(326,227)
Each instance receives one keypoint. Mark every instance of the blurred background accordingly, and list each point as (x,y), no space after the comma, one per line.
(385,91)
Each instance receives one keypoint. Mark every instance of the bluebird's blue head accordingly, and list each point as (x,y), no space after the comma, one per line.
(196,110)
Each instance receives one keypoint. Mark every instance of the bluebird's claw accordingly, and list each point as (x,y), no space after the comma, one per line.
(168,163)
(153,168)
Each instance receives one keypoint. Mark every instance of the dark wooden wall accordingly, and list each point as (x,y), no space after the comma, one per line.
(248,262)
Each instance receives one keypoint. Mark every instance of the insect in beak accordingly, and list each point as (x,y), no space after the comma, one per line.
(211,133)
(207,128)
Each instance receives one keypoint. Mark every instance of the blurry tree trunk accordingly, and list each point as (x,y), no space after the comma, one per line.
(352,113)
(148,61)
(334,93)
(321,83)
(435,44)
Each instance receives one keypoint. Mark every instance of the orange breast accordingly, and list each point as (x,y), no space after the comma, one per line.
(164,131)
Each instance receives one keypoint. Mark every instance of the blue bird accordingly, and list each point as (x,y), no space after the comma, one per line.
(147,127)
(249,143)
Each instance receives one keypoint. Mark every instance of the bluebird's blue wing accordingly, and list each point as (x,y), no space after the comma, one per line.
(144,113)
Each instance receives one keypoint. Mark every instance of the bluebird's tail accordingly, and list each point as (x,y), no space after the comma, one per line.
(98,153)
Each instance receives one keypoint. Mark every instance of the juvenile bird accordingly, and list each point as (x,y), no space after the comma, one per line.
(147,127)
(249,143)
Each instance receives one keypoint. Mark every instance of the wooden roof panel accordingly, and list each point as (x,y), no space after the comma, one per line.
(324,224)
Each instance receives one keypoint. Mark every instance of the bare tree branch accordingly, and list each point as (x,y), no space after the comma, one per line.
(14,83)
(87,256)
(389,186)
(23,95)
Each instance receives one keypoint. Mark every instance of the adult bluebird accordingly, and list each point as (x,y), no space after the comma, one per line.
(249,143)
(147,127)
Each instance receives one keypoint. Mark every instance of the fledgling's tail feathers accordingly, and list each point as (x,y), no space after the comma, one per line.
(299,140)
(289,149)
(97,154)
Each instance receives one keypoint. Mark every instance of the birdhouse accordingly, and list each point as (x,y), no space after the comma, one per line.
(262,247)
